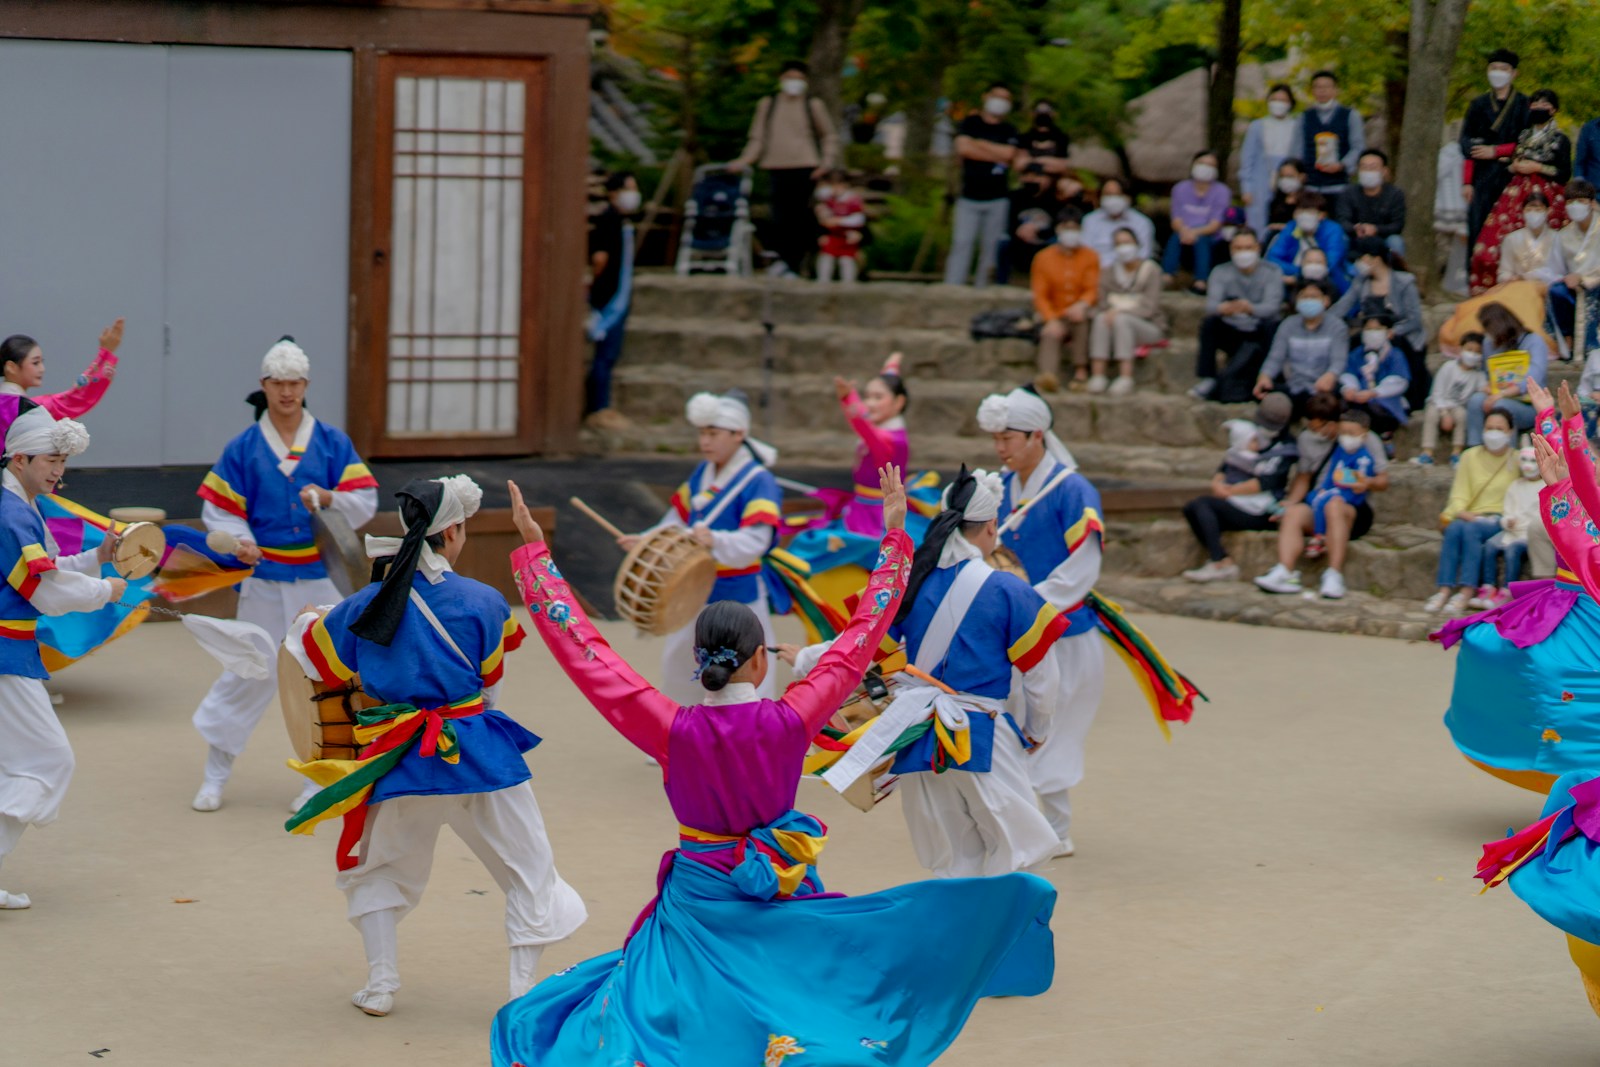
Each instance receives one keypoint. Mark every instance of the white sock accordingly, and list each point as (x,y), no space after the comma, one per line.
(524,968)
(219,767)
(847,269)
(380,936)
(825,267)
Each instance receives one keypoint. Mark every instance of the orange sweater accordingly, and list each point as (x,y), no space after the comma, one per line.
(1062,277)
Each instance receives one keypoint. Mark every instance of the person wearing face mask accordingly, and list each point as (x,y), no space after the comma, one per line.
(1373,207)
(1541,164)
(791,138)
(1332,136)
(1379,287)
(1242,307)
(1246,489)
(1519,516)
(1376,377)
(1035,203)
(1287,187)
(1046,143)
(1127,315)
(610,294)
(1116,212)
(1310,229)
(1308,351)
(1454,385)
(1268,142)
(1198,205)
(1066,284)
(1488,138)
(1472,514)
(990,148)
(842,215)
(1505,333)
(1314,268)
(1580,254)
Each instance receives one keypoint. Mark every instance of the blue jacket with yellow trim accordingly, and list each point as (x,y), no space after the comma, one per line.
(23,555)
(759,503)
(1055,528)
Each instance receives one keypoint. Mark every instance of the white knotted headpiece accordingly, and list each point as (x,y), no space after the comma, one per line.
(286,362)
(727,412)
(1026,412)
(36,432)
(460,501)
(983,506)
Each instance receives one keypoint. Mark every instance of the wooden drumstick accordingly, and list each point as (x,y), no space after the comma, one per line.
(604,524)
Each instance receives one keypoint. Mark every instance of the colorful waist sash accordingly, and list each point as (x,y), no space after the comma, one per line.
(775,861)
(388,733)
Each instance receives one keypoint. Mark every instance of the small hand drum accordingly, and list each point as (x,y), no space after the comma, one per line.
(320,718)
(1003,559)
(139,550)
(665,581)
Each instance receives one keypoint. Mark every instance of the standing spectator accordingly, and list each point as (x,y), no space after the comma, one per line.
(1488,137)
(1128,314)
(1046,143)
(610,294)
(1243,497)
(1242,308)
(1308,351)
(1472,515)
(1453,387)
(1268,143)
(1580,253)
(1198,205)
(1290,184)
(1066,284)
(1312,229)
(1376,377)
(1540,163)
(1374,207)
(842,214)
(792,139)
(1378,286)
(1116,212)
(1504,332)
(1586,158)
(1332,137)
(990,148)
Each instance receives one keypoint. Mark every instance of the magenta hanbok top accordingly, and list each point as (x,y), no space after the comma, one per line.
(880,446)
(85,393)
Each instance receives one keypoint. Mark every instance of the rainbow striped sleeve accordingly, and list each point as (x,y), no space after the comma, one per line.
(319,646)
(1030,648)
(355,476)
(32,563)
(216,490)
(761,512)
(494,667)
(680,501)
(1088,523)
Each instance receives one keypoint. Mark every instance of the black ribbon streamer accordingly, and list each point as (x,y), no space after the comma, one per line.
(926,559)
(380,620)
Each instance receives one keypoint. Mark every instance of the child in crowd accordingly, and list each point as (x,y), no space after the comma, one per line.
(1244,440)
(1344,476)
(1454,384)
(1376,376)
(842,214)
(1518,515)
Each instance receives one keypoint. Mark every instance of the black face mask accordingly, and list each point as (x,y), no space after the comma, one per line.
(1539,114)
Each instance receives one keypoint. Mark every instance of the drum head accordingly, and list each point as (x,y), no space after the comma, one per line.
(664,581)
(295,691)
(1003,559)
(139,550)
(341,551)
(131,514)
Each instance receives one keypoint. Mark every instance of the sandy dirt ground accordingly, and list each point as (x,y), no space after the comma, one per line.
(1287,883)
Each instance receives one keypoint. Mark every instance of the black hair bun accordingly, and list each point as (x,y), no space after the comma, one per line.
(714,676)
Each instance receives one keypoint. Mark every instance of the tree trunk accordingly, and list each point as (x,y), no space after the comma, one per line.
(835,20)
(1394,95)
(1436,27)
(1224,76)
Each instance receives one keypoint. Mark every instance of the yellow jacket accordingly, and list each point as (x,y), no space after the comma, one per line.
(1481,481)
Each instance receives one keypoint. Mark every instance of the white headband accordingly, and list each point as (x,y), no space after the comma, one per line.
(985,502)
(728,413)
(460,501)
(38,433)
(286,362)
(1025,412)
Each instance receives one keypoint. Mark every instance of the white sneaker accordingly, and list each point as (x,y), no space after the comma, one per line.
(1203,388)
(1435,604)
(1279,579)
(208,799)
(1214,571)
(1332,585)
(1064,849)
(14,901)
(1122,386)
(1457,605)
(1098,383)
(378,1004)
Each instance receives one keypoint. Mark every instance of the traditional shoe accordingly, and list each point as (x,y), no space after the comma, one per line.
(1064,849)
(208,799)
(14,901)
(376,1004)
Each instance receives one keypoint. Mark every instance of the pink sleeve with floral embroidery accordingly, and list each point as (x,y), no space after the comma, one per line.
(92,385)
(1564,507)
(817,696)
(637,709)
(879,445)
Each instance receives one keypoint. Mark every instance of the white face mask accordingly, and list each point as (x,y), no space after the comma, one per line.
(1534,219)
(1470,359)
(1307,221)
(1370,179)
(1350,443)
(1496,441)
(793,86)
(628,201)
(1530,468)
(1578,210)
(1114,204)
(1126,253)
(1499,79)
(1245,258)
(998,106)
(1070,238)
(1374,340)
(1277,108)
(1314,271)
(1227,232)
(1289,186)
(1203,172)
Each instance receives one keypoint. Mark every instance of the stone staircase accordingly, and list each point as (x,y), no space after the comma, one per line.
(690,334)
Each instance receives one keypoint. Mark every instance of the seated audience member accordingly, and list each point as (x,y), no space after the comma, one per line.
(1247,488)
(1342,517)
(1376,377)
(1311,229)
(1198,205)
(1308,351)
(1066,285)
(1518,516)
(1379,286)
(1503,333)
(1580,254)
(1242,309)
(1031,224)
(1454,385)
(1116,212)
(1472,514)
(1373,207)
(1314,268)
(1290,183)
(1533,252)
(1128,314)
